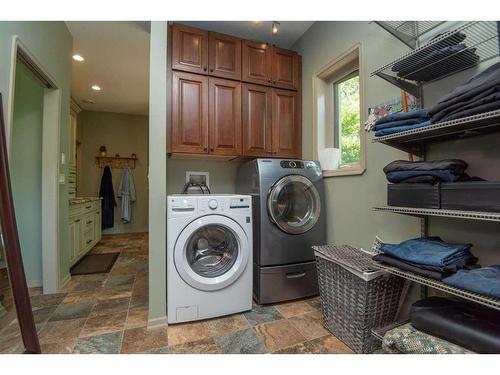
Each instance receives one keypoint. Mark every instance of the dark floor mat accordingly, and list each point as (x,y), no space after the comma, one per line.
(94,263)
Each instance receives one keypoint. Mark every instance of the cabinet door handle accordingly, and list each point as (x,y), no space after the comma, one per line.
(205,149)
(211,70)
(89,222)
(205,69)
(212,149)
(77,221)
(89,241)
(88,207)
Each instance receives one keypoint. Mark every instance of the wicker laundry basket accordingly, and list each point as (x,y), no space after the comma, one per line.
(356,295)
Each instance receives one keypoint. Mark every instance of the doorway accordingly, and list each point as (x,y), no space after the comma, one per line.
(35,119)
(26,169)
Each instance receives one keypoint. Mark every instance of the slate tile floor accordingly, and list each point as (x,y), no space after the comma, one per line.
(107,313)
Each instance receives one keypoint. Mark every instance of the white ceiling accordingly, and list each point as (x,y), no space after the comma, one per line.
(289,31)
(117,59)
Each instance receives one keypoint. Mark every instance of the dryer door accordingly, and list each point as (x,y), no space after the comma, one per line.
(294,204)
(211,252)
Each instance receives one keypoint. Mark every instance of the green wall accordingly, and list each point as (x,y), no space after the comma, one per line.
(222,174)
(51,43)
(349,199)
(121,134)
(26,170)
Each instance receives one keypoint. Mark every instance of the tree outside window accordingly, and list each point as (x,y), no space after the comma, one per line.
(347,119)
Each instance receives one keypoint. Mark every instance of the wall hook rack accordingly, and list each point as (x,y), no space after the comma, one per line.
(116,162)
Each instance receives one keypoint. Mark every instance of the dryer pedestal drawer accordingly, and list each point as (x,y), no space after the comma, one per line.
(282,283)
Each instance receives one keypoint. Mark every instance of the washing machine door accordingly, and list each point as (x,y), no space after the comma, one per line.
(294,204)
(211,252)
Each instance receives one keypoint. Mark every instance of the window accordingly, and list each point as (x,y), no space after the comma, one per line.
(347,119)
(338,136)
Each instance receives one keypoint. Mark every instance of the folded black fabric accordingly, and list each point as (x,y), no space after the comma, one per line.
(415,59)
(407,266)
(476,85)
(443,62)
(459,105)
(431,180)
(456,166)
(464,323)
(493,106)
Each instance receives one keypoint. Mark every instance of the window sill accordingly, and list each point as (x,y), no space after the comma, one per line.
(347,171)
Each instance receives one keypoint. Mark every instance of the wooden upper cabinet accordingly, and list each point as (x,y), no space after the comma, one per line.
(224,117)
(285,123)
(224,56)
(189,113)
(285,69)
(257,120)
(189,49)
(256,62)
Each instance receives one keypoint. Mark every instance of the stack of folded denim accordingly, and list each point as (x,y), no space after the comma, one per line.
(440,58)
(428,256)
(449,170)
(480,94)
(401,121)
(485,281)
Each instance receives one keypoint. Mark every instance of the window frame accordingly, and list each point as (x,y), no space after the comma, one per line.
(337,70)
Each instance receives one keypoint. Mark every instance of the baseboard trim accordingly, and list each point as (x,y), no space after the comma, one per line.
(160,322)
(34,283)
(64,281)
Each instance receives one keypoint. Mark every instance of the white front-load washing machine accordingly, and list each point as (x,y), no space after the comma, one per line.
(209,256)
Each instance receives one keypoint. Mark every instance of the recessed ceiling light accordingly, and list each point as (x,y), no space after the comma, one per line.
(276,26)
(95,87)
(77,57)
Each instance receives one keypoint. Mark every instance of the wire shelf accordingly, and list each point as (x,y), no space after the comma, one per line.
(448,53)
(474,297)
(413,140)
(409,32)
(473,215)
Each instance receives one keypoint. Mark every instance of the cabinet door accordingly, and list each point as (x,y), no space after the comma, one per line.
(189,49)
(224,117)
(256,62)
(97,227)
(285,126)
(224,56)
(74,241)
(189,113)
(256,120)
(285,69)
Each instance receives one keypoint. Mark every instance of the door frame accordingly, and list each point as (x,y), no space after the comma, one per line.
(50,159)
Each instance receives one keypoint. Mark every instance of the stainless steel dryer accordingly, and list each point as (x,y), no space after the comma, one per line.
(288,218)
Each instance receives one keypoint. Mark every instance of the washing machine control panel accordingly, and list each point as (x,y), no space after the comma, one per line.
(179,206)
(213,204)
(297,164)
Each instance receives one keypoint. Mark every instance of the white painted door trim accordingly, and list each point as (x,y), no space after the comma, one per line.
(50,164)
